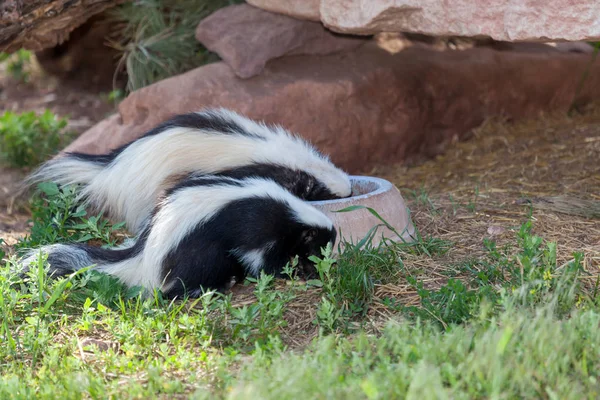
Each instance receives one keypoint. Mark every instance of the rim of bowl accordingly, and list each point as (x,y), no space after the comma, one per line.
(382,186)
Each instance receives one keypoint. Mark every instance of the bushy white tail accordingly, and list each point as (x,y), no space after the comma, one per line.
(66,170)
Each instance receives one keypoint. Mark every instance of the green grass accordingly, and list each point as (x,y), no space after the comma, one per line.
(28,139)
(518,354)
(158,41)
(510,324)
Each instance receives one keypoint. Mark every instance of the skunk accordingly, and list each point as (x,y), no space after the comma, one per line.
(204,232)
(127,181)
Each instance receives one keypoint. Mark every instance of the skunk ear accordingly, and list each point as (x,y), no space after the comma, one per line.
(309,235)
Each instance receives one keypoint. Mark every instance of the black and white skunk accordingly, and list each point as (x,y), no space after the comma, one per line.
(206,231)
(127,181)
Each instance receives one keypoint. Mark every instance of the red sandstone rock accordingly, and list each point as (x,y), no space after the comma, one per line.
(510,20)
(246,37)
(303,9)
(365,107)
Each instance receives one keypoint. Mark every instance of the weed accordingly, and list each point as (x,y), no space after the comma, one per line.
(18,64)
(455,205)
(532,272)
(330,309)
(472,204)
(422,197)
(355,273)
(256,324)
(57,217)
(27,139)
(452,303)
(114,96)
(429,246)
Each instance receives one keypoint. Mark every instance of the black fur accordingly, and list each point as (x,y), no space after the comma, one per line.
(194,179)
(60,264)
(297,182)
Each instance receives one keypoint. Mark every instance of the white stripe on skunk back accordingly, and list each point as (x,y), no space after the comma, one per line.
(127,182)
(207,230)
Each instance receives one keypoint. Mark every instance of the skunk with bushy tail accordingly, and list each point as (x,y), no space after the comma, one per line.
(126,182)
(206,231)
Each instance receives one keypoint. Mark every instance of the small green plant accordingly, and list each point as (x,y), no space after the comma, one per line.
(472,205)
(331,309)
(114,96)
(422,197)
(18,64)
(420,245)
(258,323)
(28,139)
(452,303)
(57,217)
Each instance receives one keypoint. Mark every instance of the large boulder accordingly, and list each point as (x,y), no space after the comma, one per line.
(246,37)
(368,106)
(510,20)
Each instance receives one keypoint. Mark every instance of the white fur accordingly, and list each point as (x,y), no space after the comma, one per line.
(253,260)
(66,171)
(129,186)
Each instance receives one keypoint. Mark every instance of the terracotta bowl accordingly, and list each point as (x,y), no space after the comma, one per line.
(381,196)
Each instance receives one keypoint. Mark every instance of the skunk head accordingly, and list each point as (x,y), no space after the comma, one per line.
(309,243)
(290,228)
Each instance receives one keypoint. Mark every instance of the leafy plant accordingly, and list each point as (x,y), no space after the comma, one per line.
(58,217)
(28,139)
(17,64)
